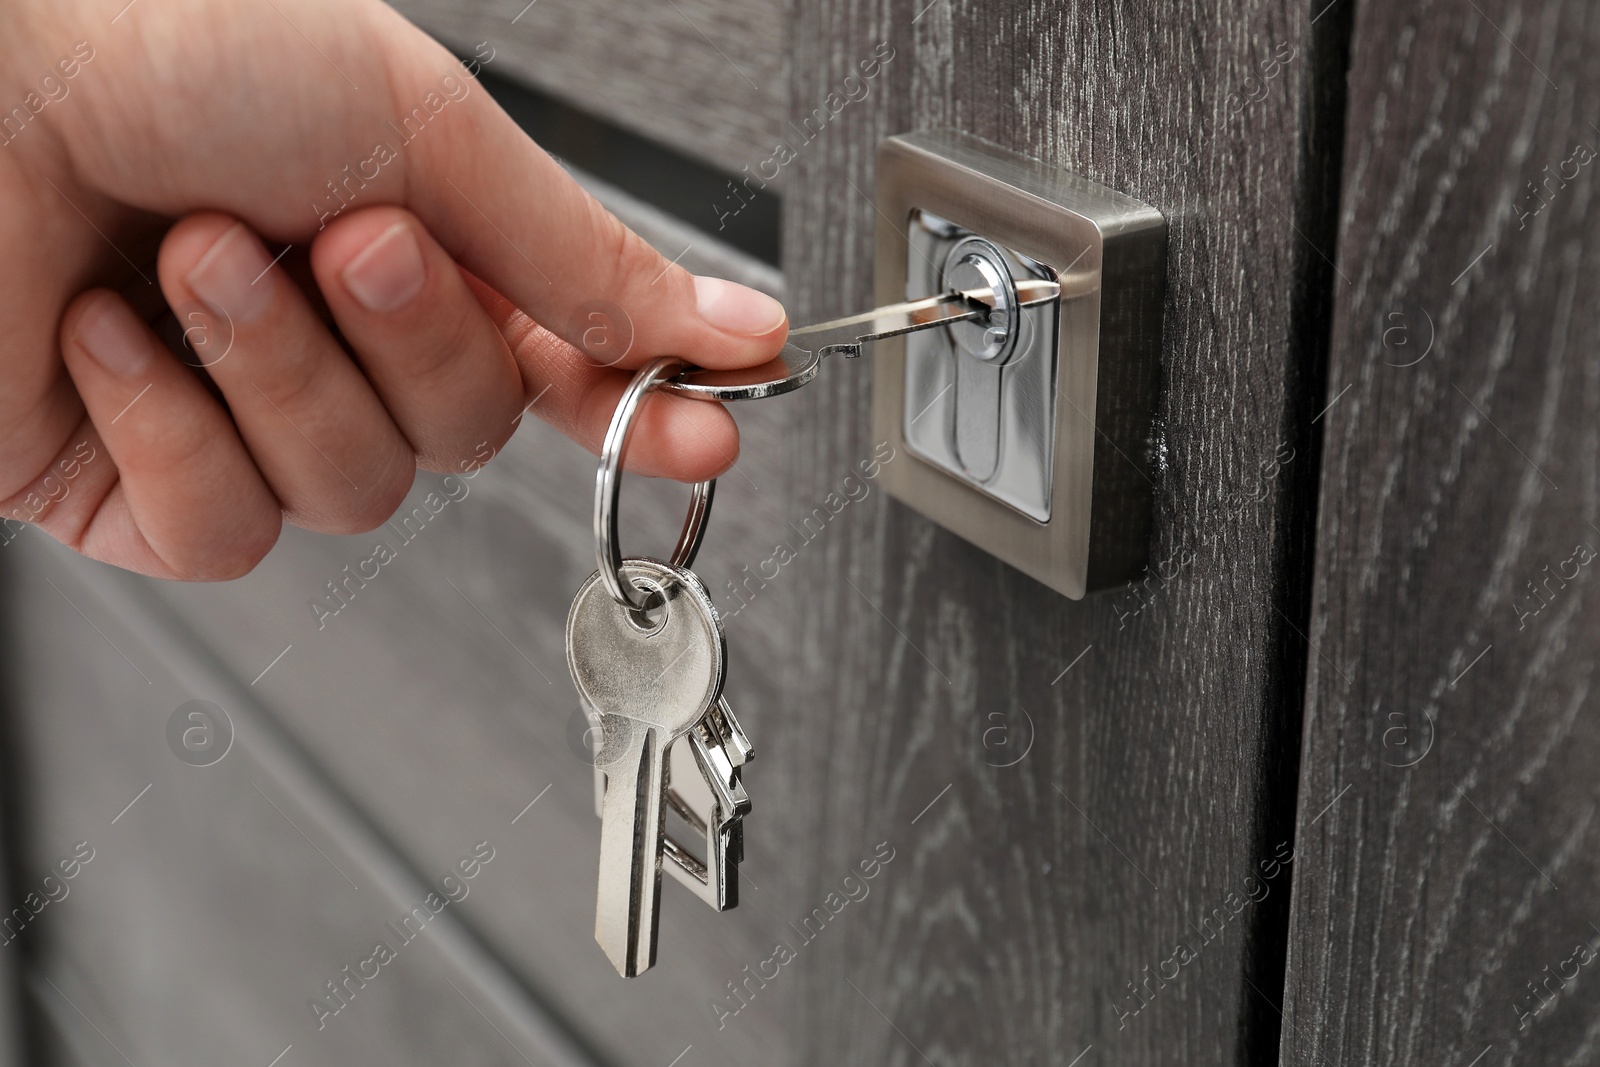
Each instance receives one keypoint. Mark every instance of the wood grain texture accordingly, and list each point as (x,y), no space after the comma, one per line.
(1027,900)
(706,77)
(209,905)
(1447,813)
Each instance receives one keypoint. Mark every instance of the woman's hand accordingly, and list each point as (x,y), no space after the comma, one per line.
(441,276)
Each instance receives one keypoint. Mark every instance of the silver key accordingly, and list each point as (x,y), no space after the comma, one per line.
(802,358)
(650,681)
(846,336)
(707,795)
(718,750)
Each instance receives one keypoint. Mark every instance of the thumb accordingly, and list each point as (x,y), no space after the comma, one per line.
(511,215)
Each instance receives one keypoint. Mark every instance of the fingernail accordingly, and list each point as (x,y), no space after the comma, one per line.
(389,273)
(736,308)
(232,276)
(113,338)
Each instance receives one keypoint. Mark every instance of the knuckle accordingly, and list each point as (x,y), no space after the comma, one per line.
(358,497)
(366,511)
(292,385)
(467,449)
(631,257)
(455,336)
(249,546)
(183,445)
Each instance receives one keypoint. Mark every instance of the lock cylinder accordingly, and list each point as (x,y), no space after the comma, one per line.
(974,263)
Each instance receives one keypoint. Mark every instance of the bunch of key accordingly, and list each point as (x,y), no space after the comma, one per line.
(646,649)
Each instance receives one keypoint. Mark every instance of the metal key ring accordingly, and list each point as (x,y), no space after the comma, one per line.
(608,485)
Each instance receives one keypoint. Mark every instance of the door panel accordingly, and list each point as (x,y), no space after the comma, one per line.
(226,911)
(1446,813)
(1029,900)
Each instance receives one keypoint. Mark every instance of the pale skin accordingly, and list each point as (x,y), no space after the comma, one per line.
(171,167)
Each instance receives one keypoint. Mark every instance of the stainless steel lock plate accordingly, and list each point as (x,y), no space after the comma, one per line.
(1029,430)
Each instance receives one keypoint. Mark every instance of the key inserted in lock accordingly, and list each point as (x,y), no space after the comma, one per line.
(1025,387)
(1031,437)
(802,358)
(980,394)
(984,409)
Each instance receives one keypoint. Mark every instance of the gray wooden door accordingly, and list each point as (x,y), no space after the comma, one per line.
(1444,891)
(1038,901)
(992,826)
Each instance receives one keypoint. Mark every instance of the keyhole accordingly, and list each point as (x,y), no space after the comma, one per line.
(974,263)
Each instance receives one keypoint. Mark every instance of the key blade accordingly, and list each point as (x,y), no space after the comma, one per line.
(802,357)
(893,320)
(629,897)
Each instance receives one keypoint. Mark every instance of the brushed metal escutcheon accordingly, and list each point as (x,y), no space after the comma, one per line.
(1029,433)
